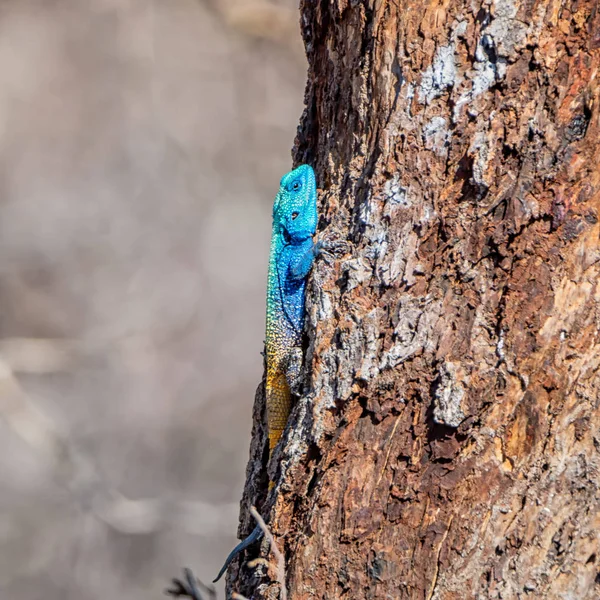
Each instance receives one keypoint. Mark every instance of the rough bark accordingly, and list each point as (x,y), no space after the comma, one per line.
(447,445)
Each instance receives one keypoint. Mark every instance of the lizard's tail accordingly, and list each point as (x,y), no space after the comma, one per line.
(279,402)
(255,535)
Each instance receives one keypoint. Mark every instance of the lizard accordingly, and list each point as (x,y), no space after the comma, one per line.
(290,259)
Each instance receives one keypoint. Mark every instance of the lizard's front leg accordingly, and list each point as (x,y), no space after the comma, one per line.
(302,262)
(300,267)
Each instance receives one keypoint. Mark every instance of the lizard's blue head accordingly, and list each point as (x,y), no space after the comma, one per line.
(295,207)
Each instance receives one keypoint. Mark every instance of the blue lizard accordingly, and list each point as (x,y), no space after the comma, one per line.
(291,257)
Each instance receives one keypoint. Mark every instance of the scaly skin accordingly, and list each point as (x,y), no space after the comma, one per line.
(290,260)
(291,257)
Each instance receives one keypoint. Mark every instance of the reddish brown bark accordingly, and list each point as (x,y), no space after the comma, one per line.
(447,446)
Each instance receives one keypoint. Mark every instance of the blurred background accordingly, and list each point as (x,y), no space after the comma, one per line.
(142,142)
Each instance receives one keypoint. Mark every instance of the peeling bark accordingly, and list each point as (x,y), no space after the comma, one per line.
(447,444)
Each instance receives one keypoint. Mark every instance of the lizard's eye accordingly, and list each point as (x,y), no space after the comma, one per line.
(295,186)
(294,215)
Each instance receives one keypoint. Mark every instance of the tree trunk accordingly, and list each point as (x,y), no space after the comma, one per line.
(447,445)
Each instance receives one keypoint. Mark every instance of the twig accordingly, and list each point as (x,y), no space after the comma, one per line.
(278,555)
(188,587)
